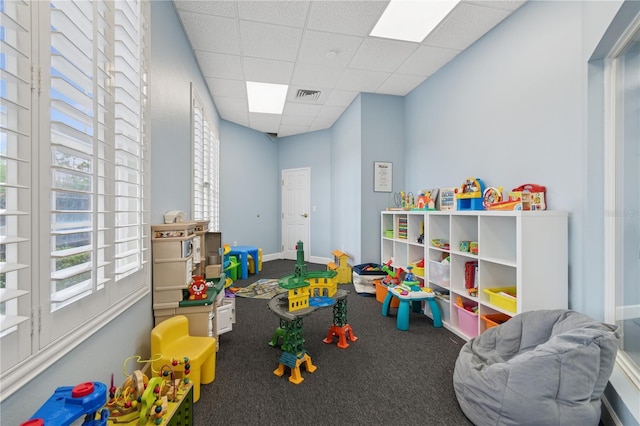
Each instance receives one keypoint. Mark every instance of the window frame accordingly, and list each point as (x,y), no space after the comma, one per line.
(205,145)
(118,294)
(613,268)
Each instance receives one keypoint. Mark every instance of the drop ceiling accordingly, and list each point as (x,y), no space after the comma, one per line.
(322,50)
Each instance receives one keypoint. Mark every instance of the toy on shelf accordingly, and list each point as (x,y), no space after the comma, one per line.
(341,266)
(68,404)
(524,197)
(470,195)
(426,200)
(447,199)
(490,196)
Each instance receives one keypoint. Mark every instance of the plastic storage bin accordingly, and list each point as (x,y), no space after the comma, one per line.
(467,321)
(439,273)
(501,298)
(493,320)
(381,293)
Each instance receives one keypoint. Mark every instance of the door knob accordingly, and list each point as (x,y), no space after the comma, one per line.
(304,215)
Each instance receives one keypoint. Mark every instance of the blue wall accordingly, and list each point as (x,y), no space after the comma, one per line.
(313,150)
(249,188)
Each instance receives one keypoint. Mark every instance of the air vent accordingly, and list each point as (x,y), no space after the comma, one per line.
(308,95)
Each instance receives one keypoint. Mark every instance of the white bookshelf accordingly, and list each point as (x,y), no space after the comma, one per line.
(523,250)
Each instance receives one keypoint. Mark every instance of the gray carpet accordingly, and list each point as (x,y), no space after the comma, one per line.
(387,376)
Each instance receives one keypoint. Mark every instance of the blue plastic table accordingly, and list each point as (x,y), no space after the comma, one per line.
(414,298)
(243,252)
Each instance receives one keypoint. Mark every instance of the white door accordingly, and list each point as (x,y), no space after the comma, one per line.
(295,214)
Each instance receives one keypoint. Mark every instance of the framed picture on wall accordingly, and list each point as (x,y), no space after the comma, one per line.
(382,176)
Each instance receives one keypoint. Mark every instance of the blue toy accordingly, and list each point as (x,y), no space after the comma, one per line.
(70,403)
(470,195)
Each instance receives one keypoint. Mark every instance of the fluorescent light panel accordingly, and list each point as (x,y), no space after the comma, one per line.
(412,20)
(266,97)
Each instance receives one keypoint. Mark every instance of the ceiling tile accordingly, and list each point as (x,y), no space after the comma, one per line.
(219,8)
(362,80)
(230,104)
(287,13)
(427,60)
(236,116)
(211,33)
(219,65)
(372,50)
(267,70)
(332,112)
(322,123)
(290,130)
(265,122)
(269,41)
(500,4)
(300,109)
(464,25)
(315,76)
(227,88)
(399,84)
(345,17)
(341,98)
(296,120)
(328,48)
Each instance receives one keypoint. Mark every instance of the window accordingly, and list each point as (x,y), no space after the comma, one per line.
(622,219)
(73,175)
(206,148)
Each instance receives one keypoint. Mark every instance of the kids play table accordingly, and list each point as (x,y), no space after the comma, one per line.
(243,252)
(408,296)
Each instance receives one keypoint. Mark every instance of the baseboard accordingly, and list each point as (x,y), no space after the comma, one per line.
(279,256)
(608,416)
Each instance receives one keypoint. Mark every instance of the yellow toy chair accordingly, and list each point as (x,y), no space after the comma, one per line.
(171,340)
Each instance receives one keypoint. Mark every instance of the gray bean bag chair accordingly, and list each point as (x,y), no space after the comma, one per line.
(539,368)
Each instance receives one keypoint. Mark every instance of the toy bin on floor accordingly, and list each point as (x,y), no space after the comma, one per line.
(252,266)
(467,321)
(364,275)
(381,294)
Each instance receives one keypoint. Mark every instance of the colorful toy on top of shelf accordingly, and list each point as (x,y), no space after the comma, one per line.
(447,199)
(537,195)
(426,200)
(470,195)
(524,197)
(491,195)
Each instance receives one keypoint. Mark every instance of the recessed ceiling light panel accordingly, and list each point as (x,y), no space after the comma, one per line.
(412,20)
(266,97)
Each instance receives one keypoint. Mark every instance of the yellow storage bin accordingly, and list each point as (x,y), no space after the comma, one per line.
(252,266)
(503,297)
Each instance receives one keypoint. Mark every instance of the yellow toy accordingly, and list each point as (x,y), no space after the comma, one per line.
(341,266)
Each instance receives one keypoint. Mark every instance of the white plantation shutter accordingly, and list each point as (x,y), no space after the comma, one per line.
(130,146)
(82,94)
(206,148)
(15,183)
